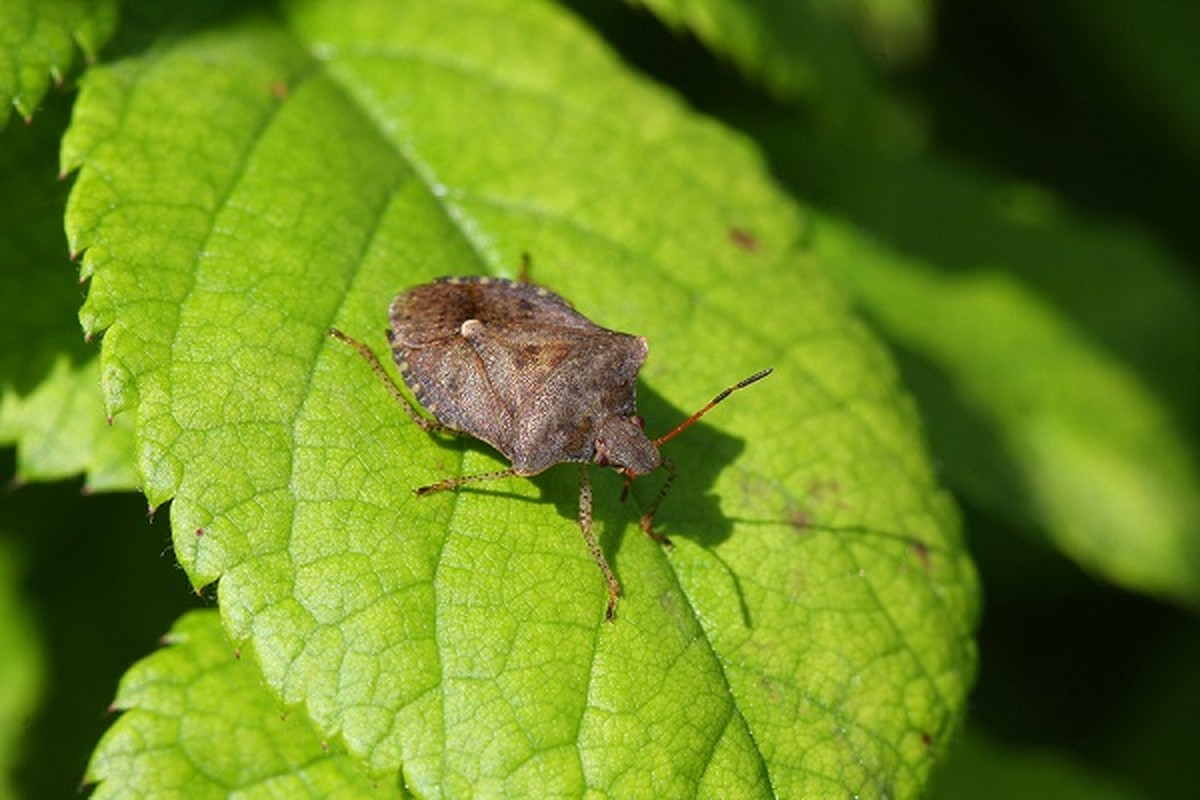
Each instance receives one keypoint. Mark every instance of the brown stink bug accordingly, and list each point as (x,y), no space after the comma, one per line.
(518,367)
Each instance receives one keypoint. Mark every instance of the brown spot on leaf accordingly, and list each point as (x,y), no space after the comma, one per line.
(800,520)
(743,239)
(921,551)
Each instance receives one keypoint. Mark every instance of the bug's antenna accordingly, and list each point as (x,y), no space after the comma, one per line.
(742,384)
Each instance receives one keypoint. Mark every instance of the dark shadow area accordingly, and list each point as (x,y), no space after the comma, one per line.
(148,23)
(1022,85)
(1070,664)
(674,58)
(103,587)
(34,264)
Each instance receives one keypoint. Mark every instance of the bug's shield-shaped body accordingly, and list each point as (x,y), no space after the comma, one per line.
(516,366)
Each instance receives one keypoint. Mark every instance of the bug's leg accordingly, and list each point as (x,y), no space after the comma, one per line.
(585,525)
(647,520)
(426,424)
(454,483)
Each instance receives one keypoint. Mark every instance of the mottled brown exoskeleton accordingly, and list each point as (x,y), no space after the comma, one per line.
(516,366)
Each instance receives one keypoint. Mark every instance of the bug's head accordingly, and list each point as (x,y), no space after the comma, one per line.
(622,444)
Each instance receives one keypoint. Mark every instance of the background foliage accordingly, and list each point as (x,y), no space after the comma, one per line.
(1003,192)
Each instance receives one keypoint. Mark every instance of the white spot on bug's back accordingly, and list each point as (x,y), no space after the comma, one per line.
(471,327)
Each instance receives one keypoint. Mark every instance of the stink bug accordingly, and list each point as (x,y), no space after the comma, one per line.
(516,366)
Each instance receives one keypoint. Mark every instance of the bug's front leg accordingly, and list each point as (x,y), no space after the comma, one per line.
(585,525)
(647,521)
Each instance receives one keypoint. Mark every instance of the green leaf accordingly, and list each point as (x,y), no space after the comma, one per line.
(21,667)
(198,722)
(1052,360)
(38,40)
(244,188)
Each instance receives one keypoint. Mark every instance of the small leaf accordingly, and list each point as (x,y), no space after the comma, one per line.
(244,188)
(60,431)
(37,42)
(197,722)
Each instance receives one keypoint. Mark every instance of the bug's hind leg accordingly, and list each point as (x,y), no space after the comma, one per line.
(426,424)
(453,483)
